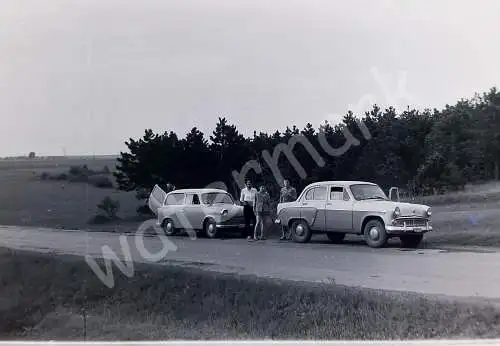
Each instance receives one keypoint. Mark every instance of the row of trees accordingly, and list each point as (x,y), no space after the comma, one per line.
(422,150)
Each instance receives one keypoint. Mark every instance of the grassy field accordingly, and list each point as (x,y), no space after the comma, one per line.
(28,200)
(473,194)
(175,303)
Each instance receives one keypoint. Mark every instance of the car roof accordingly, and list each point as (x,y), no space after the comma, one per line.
(341,182)
(198,191)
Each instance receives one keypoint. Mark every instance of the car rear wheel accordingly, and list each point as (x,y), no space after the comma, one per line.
(301,233)
(411,240)
(168,227)
(335,237)
(210,228)
(375,234)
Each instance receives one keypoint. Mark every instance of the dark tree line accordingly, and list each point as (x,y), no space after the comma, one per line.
(423,151)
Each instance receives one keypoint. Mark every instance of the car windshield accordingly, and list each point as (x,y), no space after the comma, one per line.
(368,191)
(216,198)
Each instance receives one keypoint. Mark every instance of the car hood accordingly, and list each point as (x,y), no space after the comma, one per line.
(407,209)
(283,205)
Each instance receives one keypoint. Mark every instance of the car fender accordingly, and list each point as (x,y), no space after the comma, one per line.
(163,214)
(208,217)
(309,214)
(360,216)
(288,213)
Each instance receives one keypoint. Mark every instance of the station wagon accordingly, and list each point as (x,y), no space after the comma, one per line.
(204,210)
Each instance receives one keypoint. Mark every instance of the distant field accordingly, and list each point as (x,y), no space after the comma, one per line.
(26,200)
(473,193)
(56,163)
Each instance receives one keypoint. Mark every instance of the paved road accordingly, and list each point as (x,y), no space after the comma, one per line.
(430,271)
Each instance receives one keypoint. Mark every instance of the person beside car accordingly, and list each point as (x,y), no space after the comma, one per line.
(247,198)
(287,194)
(262,209)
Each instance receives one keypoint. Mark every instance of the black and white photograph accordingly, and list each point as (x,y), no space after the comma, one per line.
(249,171)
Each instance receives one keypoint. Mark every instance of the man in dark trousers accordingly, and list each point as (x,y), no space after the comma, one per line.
(287,194)
(247,198)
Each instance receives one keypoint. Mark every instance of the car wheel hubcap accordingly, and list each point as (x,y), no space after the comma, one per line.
(299,230)
(211,228)
(168,227)
(374,233)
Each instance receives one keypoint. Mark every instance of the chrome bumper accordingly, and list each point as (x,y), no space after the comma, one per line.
(408,229)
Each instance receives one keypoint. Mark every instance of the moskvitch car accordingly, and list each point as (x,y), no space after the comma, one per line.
(354,207)
(207,211)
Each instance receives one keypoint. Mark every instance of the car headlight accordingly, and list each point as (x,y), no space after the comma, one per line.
(397,212)
(428,212)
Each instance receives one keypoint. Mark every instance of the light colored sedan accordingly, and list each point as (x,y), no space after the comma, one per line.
(355,207)
(205,210)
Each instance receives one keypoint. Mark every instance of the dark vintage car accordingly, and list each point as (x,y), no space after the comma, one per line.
(354,207)
(204,210)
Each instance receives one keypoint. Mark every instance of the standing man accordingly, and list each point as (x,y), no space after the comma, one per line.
(247,197)
(262,210)
(287,194)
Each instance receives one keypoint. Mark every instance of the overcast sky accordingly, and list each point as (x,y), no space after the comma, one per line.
(87,75)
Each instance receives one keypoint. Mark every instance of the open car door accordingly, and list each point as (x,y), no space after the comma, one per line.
(394,194)
(156,199)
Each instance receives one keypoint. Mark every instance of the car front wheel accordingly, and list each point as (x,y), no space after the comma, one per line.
(211,229)
(301,233)
(411,240)
(168,228)
(375,234)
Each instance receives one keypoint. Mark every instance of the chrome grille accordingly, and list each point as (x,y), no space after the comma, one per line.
(414,222)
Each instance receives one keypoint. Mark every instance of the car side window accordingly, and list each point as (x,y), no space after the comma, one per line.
(192,199)
(320,193)
(316,194)
(310,194)
(196,199)
(175,199)
(336,193)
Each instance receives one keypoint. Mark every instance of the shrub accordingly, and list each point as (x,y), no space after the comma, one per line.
(144,210)
(81,171)
(58,177)
(101,181)
(76,170)
(106,170)
(44,176)
(78,178)
(109,207)
(142,193)
(99,220)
